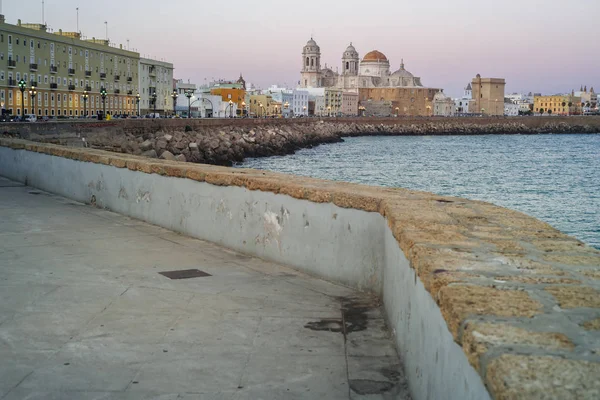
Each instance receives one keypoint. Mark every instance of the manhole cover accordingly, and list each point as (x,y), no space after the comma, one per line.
(184,274)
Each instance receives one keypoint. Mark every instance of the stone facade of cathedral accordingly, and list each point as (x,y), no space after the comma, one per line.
(396,93)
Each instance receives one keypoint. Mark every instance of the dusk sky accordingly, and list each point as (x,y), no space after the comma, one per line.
(543,46)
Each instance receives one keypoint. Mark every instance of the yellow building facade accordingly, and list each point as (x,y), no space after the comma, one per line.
(236,95)
(557,105)
(59,67)
(263,105)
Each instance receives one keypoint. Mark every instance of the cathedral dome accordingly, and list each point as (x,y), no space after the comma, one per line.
(350,52)
(375,56)
(312,46)
(402,73)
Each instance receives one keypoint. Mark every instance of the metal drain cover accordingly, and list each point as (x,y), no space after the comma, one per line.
(184,274)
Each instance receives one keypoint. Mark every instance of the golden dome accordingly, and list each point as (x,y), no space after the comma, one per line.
(375,56)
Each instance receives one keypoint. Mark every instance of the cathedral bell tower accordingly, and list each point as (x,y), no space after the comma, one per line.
(350,61)
(311,65)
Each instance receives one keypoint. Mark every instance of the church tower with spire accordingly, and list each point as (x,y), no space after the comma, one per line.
(311,65)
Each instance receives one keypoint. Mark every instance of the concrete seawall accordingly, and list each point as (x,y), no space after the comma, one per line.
(484,302)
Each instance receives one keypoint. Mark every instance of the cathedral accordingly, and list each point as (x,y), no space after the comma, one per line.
(399,92)
(373,71)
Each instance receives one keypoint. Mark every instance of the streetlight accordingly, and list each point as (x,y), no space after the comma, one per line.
(189,95)
(154,101)
(329,111)
(230,109)
(243,108)
(22,85)
(103,95)
(397,111)
(137,102)
(304,110)
(85,97)
(262,108)
(32,94)
(276,110)
(174,96)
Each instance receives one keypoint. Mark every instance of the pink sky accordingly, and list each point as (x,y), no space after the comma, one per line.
(536,45)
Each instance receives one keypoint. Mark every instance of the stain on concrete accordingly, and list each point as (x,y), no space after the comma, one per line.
(368,386)
(123,193)
(327,325)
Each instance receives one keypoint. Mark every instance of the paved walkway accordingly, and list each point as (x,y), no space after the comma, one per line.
(85,314)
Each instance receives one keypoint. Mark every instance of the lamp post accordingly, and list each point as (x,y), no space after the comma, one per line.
(154,101)
(137,102)
(243,108)
(286,106)
(397,111)
(103,95)
(361,110)
(261,108)
(329,111)
(189,95)
(230,109)
(174,96)
(85,97)
(32,94)
(304,111)
(22,85)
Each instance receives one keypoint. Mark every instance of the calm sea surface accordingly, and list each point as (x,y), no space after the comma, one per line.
(555,178)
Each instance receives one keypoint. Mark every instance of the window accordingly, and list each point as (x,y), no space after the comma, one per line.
(17,42)
(1,75)
(9,39)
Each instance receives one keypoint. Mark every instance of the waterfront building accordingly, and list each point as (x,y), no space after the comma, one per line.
(559,104)
(511,109)
(524,101)
(233,92)
(62,67)
(349,103)
(462,105)
(589,100)
(443,106)
(155,77)
(370,77)
(333,101)
(488,96)
(262,105)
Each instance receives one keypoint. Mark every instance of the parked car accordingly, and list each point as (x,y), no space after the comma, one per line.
(30,118)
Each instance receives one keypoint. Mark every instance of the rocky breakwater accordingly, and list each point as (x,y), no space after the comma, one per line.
(232,142)
(219,146)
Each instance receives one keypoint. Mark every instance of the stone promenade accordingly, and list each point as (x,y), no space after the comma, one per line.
(86,314)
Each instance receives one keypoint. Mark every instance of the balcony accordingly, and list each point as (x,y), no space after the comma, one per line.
(117,91)
(53,69)
(71,71)
(88,73)
(12,82)
(102,75)
(130,92)
(12,64)
(129,79)
(33,67)
(88,88)
(71,87)
(117,77)
(53,86)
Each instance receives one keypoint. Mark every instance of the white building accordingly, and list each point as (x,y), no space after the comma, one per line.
(443,105)
(511,109)
(461,104)
(155,77)
(299,104)
(318,96)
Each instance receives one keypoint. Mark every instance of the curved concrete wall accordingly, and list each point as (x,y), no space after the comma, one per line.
(470,290)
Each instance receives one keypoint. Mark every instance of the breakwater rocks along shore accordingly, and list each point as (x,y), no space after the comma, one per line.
(223,142)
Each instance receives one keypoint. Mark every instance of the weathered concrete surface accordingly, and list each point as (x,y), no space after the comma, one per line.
(84,314)
(479,263)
